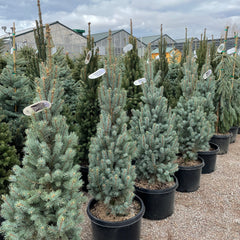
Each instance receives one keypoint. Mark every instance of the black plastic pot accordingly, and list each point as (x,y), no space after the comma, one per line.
(125,230)
(238,130)
(222,141)
(234,131)
(84,172)
(159,204)
(209,158)
(189,177)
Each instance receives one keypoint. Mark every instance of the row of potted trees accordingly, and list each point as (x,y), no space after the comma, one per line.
(133,165)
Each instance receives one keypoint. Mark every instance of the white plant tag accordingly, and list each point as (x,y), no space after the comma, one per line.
(231,51)
(220,48)
(36,107)
(97,74)
(139,81)
(11,51)
(127,48)
(88,57)
(207,74)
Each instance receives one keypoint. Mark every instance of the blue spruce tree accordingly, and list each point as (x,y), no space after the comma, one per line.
(44,199)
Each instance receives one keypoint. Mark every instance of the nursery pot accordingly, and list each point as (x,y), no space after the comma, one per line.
(159,204)
(123,230)
(234,131)
(222,141)
(189,177)
(84,172)
(209,158)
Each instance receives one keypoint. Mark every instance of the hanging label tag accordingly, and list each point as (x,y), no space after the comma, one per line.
(36,107)
(207,74)
(97,74)
(88,57)
(127,48)
(139,81)
(231,51)
(220,48)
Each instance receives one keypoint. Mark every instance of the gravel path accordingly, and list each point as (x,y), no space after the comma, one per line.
(211,213)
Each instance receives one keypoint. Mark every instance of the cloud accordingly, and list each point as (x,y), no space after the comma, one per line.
(147,16)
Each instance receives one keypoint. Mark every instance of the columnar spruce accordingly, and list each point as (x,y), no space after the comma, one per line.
(111,174)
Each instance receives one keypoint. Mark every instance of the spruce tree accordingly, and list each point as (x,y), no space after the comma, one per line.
(161,63)
(111,173)
(172,87)
(31,64)
(213,50)
(201,52)
(192,126)
(88,109)
(15,95)
(132,71)
(152,129)
(223,94)
(8,157)
(44,200)
(39,36)
(205,87)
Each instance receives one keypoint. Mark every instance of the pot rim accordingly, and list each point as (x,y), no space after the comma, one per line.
(212,152)
(118,224)
(159,191)
(201,165)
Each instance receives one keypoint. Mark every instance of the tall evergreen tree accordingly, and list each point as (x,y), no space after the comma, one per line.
(201,52)
(44,200)
(213,61)
(223,94)
(191,124)
(39,36)
(152,129)
(161,63)
(31,64)
(111,174)
(205,87)
(15,94)
(88,109)
(8,157)
(172,87)
(132,71)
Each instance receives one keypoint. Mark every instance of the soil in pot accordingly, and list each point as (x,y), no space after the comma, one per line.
(223,141)
(126,229)
(209,158)
(234,131)
(159,203)
(189,176)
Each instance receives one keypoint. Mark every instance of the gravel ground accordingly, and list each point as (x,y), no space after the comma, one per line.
(211,213)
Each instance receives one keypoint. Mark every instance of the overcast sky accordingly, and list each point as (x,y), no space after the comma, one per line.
(146,15)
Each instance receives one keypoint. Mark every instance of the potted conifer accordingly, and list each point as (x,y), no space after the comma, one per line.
(152,127)
(205,87)
(44,200)
(223,94)
(114,211)
(87,108)
(193,129)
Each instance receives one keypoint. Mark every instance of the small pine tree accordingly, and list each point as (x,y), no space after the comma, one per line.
(88,109)
(191,124)
(132,71)
(44,200)
(213,50)
(111,174)
(8,157)
(152,129)
(15,95)
(69,61)
(172,87)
